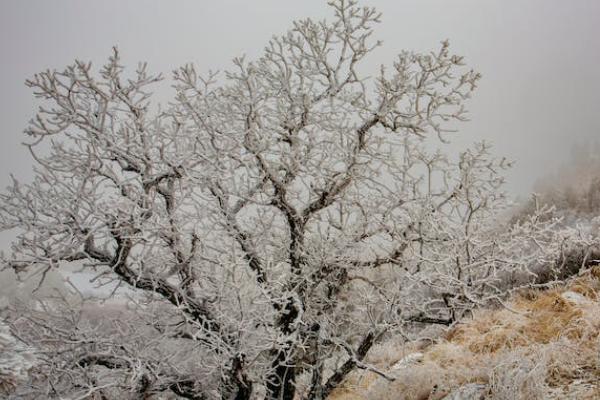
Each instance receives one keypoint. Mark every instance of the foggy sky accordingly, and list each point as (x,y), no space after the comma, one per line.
(539,94)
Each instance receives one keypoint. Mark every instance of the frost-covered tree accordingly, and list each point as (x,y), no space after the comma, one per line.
(15,360)
(276,220)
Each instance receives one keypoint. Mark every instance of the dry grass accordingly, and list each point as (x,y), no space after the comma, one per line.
(518,375)
(595,272)
(544,345)
(541,320)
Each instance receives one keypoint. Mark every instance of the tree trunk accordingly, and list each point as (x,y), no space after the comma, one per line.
(281,384)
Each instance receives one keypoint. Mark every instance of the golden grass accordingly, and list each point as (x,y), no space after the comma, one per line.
(595,272)
(556,330)
(585,289)
(355,386)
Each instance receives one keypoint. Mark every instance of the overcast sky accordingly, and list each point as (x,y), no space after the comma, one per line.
(539,59)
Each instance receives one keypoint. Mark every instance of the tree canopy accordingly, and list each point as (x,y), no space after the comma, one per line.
(278,220)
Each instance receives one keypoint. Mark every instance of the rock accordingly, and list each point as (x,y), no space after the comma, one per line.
(407,361)
(471,391)
(575,298)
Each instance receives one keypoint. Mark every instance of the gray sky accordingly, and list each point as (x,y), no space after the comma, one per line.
(539,59)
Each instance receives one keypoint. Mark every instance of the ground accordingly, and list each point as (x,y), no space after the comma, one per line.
(541,344)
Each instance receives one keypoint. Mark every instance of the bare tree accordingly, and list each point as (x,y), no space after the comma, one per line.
(278,219)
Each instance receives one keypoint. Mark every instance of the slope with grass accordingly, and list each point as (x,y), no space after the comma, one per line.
(542,344)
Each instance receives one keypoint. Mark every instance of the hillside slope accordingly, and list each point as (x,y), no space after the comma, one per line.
(540,345)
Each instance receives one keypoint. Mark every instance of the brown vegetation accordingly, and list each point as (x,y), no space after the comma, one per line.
(540,345)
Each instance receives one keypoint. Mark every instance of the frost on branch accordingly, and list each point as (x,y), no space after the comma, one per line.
(276,220)
(15,360)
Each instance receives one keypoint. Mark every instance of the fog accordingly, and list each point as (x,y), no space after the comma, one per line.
(539,59)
